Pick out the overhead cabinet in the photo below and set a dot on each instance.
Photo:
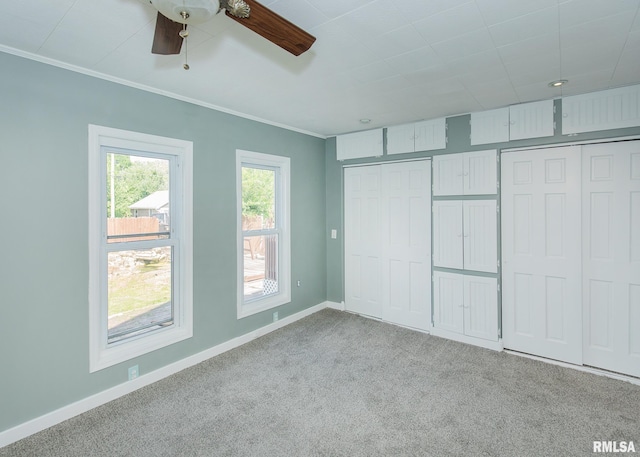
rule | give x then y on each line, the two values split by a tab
607	109
516	122
360	144
465	235
465	305
469	173
419	136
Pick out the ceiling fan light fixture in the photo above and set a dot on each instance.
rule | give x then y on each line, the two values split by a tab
187	11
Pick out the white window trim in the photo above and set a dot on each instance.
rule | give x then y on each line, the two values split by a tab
284	243
101	354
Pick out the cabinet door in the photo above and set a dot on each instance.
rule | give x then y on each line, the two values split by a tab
430	135
359	144
448	301
480	172
400	139
490	126
531	120
480	235
603	110
480	297
447	174
447	234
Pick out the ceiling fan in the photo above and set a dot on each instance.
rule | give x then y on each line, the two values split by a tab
175	15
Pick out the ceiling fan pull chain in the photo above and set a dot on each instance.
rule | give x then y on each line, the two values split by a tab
184	34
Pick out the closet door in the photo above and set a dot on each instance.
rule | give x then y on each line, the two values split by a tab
541	252
362	188
406	243
611	256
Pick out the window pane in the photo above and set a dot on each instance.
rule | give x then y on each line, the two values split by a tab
139	292
260	266
137	198
258	198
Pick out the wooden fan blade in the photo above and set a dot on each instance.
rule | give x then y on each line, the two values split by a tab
167	39
275	28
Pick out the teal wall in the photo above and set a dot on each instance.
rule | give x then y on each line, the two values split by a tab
44	114
458	133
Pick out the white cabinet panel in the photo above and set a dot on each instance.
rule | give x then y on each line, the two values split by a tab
531	120
481	307
480	172
465	235
480	235
419	136
400	139
448	311
604	110
517	122
466	305
447	234
360	144
611	261
447	174
468	173
430	135
490	126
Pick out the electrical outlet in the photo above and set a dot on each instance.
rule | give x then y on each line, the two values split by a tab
275	316
133	372
299	283
334	234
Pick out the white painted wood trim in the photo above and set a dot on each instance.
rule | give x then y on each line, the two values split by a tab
493	345
81	406
584	369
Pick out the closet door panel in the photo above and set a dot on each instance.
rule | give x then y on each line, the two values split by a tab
406	243
611	256
362	240
541	252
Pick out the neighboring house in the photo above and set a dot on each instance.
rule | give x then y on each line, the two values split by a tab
153	205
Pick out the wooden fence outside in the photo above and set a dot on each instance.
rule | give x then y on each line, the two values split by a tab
131	226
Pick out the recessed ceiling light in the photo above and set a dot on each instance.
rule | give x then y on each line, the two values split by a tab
558	83
365	121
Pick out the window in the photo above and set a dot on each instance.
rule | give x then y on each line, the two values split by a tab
140	248
264	272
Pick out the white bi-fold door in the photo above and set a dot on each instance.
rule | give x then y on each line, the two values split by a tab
611	256
388	242
362	230
541	253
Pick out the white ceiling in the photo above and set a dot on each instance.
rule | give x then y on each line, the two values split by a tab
391	61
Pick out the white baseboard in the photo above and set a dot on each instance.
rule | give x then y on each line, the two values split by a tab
335	305
67	412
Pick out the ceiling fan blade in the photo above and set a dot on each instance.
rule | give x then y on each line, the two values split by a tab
275	28
167	39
